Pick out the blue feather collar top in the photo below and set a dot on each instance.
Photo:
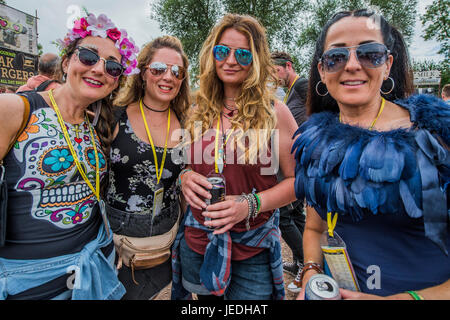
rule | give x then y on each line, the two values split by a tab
354	171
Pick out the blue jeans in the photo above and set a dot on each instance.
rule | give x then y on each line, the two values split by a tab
251	279
95	275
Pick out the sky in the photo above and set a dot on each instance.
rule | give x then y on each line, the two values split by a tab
133	15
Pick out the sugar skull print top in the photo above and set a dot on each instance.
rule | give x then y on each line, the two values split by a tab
51	209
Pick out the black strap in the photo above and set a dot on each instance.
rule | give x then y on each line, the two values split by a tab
44	85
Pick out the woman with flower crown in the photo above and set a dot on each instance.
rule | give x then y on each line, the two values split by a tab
142	197
58	241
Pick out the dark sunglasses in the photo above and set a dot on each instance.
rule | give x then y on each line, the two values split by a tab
90	58
159	68
370	55
243	56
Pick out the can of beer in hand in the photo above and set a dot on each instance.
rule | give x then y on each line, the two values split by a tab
217	192
322	287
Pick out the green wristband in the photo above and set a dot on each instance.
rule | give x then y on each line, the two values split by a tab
258	200
415	295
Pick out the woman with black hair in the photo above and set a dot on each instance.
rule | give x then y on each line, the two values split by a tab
373	164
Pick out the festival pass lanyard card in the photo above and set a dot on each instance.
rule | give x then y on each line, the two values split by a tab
336	256
158	190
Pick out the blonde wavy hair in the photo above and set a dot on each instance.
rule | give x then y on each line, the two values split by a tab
255	99
133	89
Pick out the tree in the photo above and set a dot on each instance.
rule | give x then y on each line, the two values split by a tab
400	13
292	25
436	21
191	20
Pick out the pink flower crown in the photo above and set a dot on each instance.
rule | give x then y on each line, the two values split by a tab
103	27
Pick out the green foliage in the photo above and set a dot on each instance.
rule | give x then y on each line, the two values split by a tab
400	13
436	21
40	49
292	25
191	20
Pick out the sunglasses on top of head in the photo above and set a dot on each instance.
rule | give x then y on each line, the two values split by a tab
243	56
370	55
159	68
90	58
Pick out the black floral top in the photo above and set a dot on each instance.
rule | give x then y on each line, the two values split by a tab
132	176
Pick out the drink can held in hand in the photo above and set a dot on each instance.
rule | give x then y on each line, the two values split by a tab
217	191
322	287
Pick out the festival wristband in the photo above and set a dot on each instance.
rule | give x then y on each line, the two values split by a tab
415	295
181	175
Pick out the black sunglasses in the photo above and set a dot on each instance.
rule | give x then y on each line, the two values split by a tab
370	55
90	58
159	68
243	56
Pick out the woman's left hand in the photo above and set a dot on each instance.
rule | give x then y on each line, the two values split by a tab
226	214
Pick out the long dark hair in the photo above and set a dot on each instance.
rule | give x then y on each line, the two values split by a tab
401	71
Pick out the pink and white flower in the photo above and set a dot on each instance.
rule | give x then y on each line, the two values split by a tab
103	27
99	26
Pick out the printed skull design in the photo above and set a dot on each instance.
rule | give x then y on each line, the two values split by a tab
60	195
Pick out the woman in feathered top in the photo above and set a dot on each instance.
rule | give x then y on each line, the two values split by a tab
376	158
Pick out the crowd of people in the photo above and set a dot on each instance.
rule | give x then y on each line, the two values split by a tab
117	180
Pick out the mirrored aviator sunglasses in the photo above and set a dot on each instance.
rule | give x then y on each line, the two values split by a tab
369	55
159	68
90	58
243	56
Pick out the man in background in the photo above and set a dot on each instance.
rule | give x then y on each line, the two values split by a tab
446	93
292	217
49	74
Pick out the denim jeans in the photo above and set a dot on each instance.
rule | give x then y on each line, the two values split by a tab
251	279
95	275
292	225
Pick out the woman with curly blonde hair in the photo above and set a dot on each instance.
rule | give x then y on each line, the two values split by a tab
231	248
142	199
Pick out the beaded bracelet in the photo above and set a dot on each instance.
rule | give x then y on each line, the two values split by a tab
415	295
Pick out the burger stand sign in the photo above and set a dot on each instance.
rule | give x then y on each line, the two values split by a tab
18	46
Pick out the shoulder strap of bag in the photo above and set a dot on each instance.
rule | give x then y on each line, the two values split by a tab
26	115
45	84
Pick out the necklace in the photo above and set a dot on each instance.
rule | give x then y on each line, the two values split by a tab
219	151
154	110
376	118
230	114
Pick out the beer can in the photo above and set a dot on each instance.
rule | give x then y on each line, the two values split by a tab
322	287
217	191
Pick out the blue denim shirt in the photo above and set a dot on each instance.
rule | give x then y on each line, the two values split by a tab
95	275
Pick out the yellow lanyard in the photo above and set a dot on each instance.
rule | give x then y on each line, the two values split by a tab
96	191
331	223
286	96
216	146
158	173
383	101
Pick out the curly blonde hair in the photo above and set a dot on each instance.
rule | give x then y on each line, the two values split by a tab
133	90
255	109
